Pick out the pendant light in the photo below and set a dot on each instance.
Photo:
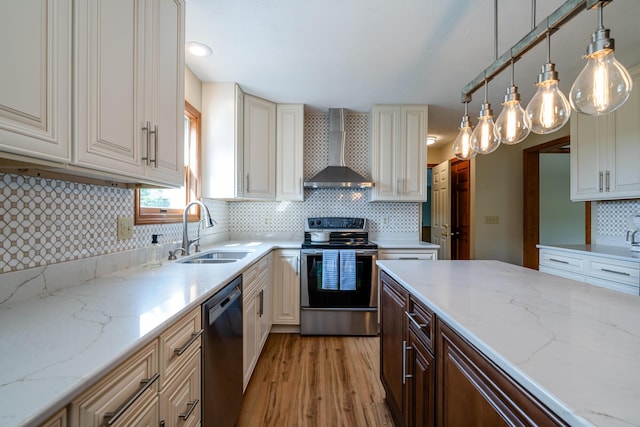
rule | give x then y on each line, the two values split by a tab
484	139
512	124
549	109
604	84
462	145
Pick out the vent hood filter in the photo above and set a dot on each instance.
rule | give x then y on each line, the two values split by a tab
337	175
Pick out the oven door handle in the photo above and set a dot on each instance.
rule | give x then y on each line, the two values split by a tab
319	252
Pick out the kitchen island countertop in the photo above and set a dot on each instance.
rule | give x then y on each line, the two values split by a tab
574	346
56	345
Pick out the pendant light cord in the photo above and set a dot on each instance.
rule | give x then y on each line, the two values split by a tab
600	20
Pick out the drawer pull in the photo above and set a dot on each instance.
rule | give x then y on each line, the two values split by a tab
622	273
190	407
405	347
110	418
407	258
559	260
181	350
411	317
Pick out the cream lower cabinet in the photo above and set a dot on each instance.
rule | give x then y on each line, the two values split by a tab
408	254
286	287
35	89
256	312
129	88
127	396
57	420
289	152
605	152
399	152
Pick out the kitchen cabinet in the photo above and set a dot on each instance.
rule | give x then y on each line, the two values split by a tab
289	152
180	399
259	148
126	396
408	254
286	287
35	89
129	88
57	420
407	369
605	152
611	273
467	379
222	141
257	313
399	152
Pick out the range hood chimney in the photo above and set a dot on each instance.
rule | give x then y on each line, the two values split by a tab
337	175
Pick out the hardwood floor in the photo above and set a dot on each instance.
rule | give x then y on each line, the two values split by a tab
316	381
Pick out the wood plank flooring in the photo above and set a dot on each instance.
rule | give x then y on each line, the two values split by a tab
316	381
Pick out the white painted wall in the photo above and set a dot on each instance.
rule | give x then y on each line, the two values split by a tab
192	89
561	220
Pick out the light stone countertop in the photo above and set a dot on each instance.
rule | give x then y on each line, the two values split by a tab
615	252
574	346
403	244
56	345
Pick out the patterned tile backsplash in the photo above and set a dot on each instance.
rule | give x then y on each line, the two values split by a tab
46	221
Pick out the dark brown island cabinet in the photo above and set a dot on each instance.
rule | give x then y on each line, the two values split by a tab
432	376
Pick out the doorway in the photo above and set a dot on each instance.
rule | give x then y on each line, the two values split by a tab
460	209
531	208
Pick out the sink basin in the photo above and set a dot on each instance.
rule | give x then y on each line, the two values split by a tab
216	257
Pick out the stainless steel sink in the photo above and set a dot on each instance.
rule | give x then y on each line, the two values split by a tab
216	257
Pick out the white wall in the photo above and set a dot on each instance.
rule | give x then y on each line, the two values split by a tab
561	220
192	89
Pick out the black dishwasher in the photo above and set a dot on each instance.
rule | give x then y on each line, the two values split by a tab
222	356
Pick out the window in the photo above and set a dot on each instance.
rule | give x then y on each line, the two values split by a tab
163	206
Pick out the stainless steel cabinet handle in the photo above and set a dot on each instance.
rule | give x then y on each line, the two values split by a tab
411	317
247	186
110	418
194	337
559	260
622	273
297	266
147	131
155	138
261	302
190	407
408	257
405	347
608	180
600	186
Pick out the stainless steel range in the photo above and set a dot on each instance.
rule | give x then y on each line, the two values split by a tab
339	290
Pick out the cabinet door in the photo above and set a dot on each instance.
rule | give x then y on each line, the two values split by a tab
35	89
386	138
180	399
413	155
473	391
110	86
393	344
250	330
58	420
259	148
286	287
589	155
421	402
168	98
289	151
266	312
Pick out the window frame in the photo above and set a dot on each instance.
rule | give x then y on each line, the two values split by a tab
144	216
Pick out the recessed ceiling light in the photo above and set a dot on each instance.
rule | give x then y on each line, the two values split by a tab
431	140
198	49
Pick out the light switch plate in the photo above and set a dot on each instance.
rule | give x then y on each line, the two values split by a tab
125	228
492	219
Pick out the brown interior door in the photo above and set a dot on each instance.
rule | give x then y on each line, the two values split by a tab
460	209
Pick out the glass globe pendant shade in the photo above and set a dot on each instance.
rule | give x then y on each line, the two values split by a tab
549	109
512	124
484	139
604	84
462	144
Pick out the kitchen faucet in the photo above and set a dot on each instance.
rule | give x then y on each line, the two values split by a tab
208	223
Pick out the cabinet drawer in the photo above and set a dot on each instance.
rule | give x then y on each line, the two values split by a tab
563	261
123	392
626	272
430	255
180	399
254	274
421	320
178	342
58	420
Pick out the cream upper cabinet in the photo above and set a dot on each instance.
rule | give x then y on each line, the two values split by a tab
289	152
399	152
222	141
259	148
129	88
35	89
605	151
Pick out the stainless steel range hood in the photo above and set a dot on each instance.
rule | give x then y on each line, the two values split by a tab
337	174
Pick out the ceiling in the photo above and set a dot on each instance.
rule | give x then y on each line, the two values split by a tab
356	53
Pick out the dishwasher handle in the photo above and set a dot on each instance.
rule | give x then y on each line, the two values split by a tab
217	310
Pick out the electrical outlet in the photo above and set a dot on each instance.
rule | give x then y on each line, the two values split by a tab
125	228
385	220
492	219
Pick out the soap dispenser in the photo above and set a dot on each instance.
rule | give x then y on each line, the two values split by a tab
154	252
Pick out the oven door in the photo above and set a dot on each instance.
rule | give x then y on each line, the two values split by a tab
313	295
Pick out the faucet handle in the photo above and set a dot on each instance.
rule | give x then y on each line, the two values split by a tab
172	254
